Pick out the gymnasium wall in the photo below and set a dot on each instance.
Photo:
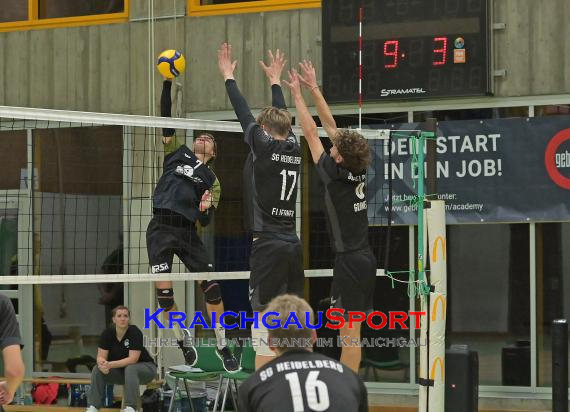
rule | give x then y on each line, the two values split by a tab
106	68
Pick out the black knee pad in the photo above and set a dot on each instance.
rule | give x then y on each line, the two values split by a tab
165	298
212	291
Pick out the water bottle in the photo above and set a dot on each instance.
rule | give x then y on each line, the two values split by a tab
74	394
108	402
18	397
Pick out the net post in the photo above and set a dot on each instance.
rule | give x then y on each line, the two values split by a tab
430	125
421	197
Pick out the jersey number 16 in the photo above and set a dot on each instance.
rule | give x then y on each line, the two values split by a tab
316	391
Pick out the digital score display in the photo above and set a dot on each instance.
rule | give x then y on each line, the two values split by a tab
410	49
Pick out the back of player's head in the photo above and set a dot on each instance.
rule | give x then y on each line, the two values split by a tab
353	148
275	120
291	337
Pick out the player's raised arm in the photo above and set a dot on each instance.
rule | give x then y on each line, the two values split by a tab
308	78
307	123
227	67
168	135
273	72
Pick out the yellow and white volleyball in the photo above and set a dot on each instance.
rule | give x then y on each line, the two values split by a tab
171	63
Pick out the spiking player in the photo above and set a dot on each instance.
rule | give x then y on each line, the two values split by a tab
343	173
188	191
271	173
299	379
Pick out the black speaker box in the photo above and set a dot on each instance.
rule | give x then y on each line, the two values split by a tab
515	364
461	379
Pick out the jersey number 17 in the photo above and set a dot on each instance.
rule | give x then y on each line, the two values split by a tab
286	173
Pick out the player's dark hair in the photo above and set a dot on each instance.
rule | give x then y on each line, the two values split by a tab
276	120
118	308
291	337
353	148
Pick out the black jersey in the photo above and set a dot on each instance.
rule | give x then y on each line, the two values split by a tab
300	380
345	202
9	330
271	172
132	340
182	184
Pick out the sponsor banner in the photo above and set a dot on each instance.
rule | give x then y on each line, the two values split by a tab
503	170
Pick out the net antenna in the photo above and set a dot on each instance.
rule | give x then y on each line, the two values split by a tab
360	18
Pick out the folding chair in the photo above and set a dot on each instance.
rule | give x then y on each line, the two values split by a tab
210	365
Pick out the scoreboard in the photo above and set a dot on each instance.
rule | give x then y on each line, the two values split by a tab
410	49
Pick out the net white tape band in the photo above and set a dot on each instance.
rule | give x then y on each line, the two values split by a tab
145	277
33	118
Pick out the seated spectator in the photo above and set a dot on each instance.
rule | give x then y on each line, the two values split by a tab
121	359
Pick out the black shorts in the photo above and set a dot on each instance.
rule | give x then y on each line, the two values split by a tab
354	279
276	268
170	235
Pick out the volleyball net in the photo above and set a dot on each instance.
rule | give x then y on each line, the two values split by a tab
76	198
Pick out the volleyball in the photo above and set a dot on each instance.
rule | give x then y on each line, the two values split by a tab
171	63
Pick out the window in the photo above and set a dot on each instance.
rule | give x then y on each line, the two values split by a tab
489	309
49	9
13	152
79	213
13	10
38	14
214	7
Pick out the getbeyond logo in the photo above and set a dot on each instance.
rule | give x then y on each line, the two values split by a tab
557	159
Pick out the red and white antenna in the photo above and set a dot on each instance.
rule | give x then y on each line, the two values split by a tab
360	17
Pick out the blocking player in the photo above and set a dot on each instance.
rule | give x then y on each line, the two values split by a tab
343	173
299	379
188	191
271	173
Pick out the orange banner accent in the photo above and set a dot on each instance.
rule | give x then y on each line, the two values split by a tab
438	240
433	366
443	307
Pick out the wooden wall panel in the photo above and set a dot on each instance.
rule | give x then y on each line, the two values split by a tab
59	72
531	47
203	86
139	69
77	68
547	60
114	68
16	68
3	77
93	74
106	67
41	85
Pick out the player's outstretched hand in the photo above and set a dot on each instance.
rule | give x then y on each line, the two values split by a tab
275	68
308	76
294	83
206	201
225	63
